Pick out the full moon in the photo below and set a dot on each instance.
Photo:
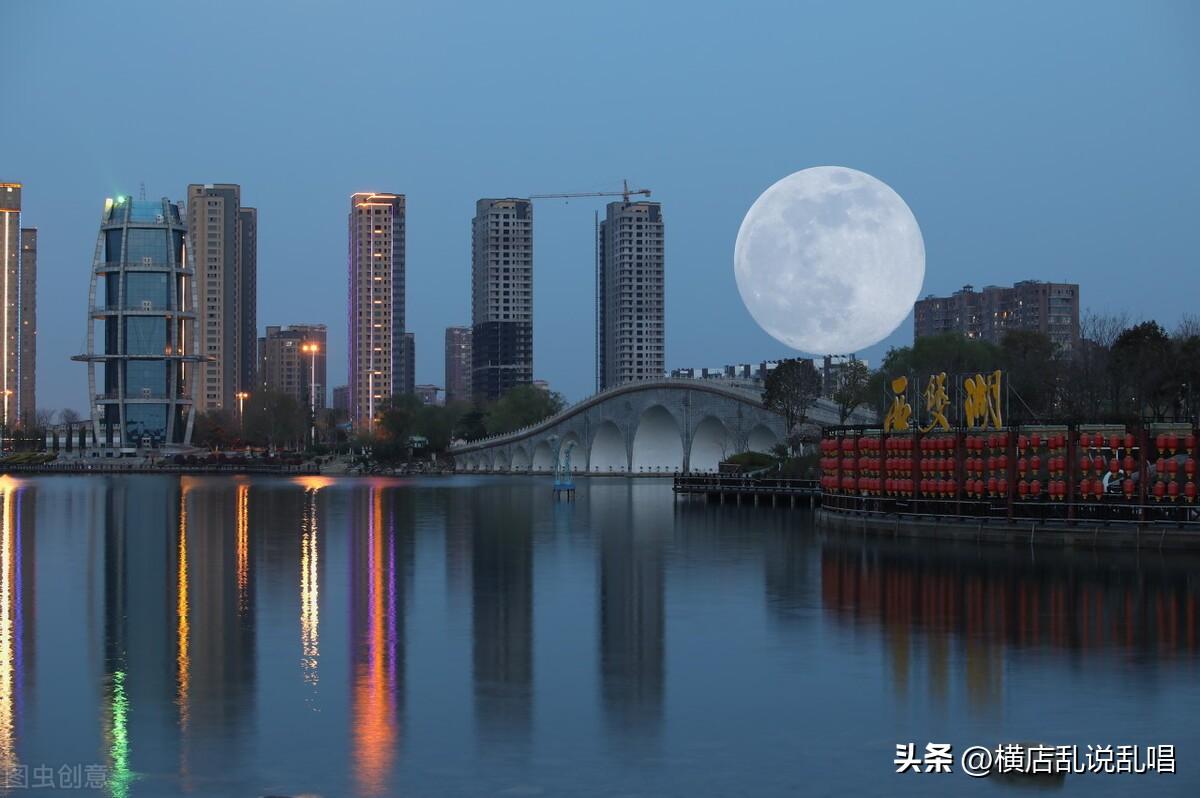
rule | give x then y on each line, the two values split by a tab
829	260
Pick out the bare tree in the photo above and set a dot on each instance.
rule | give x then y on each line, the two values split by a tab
791	389
68	416
1188	327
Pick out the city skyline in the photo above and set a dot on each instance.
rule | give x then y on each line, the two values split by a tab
999	198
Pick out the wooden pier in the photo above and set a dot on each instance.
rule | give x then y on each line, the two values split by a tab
739	489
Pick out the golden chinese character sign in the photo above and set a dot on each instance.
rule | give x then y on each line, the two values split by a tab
981	405
936	403
898	414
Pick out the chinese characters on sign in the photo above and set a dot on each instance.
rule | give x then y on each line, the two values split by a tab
981	404
898	414
981	407
936	402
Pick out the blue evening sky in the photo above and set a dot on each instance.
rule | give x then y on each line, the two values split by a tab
1032	140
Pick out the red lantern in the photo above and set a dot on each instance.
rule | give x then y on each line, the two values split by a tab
1002	462
1035	464
1160	488
1022	442
1172	490
1022	488
1160	442
1128	440
1085	440
1034	441
1085	487
1002	486
1189	468
1098	487
1189	491
1113	465
1085	464
1021	464
1172	442
1035	488
1127	487
1189	442
1114	442
1160	466
1172	467
979	487
1129	464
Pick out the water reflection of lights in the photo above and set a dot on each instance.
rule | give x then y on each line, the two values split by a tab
374	722
310	597
183	628
9	617
119	775
243	546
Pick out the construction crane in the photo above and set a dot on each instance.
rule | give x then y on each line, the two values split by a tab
625	193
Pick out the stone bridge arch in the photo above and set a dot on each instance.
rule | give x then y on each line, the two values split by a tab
656	426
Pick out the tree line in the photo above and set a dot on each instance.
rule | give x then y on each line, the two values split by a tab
1121	372
404	427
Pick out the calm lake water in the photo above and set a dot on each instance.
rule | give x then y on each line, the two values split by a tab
468	637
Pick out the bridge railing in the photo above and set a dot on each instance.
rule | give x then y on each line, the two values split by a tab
642	385
699	483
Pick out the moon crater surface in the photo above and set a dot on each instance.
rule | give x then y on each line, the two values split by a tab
829	260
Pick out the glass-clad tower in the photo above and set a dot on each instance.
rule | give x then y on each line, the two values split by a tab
142	304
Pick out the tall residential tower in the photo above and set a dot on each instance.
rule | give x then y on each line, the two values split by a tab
376	312
501	296
629	295
223	238
18	350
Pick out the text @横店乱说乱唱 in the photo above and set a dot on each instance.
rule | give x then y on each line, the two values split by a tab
1021	759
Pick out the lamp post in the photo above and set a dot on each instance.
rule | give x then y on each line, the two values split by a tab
242	396
312	348
4	426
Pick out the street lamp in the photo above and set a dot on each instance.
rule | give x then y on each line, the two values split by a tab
4	428
312	348
242	396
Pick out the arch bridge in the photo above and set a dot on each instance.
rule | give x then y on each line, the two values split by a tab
651	426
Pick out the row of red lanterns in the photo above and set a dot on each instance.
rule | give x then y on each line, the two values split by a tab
977	443
1169	442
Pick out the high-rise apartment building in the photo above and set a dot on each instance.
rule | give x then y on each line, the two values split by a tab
501	296
18	349
1048	308
629	295
376	312
458	364
409	360
223	236
144	309
293	362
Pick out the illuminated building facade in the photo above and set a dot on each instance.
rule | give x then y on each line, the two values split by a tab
376	312
501	296
18	349
289	364
142	327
